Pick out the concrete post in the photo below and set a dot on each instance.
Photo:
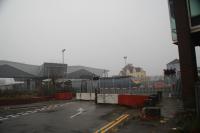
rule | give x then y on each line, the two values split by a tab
186	54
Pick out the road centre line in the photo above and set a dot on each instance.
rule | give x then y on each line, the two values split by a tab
110	123
113	123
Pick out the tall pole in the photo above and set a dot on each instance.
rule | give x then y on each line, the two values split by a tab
63	50
125	59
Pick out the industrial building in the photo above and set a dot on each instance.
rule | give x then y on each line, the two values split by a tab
32	75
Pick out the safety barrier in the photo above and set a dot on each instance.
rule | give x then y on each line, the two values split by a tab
63	96
85	96
128	100
132	100
124	99
107	98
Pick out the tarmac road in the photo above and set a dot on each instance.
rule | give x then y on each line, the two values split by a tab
70	117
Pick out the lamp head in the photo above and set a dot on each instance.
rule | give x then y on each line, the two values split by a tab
63	50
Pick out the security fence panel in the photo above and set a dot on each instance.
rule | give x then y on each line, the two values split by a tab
122	85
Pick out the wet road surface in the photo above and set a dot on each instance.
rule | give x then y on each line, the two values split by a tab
71	117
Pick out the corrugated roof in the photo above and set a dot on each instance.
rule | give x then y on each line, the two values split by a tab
81	74
36	69
96	71
31	69
7	71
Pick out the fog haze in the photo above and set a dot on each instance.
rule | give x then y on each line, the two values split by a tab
95	33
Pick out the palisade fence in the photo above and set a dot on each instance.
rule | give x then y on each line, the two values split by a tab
91	85
142	91
122	86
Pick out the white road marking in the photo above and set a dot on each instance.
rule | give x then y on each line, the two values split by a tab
76	114
3	119
9	116
80	111
25	113
34	111
61	105
38	110
19	113
14	116
42	109
29	112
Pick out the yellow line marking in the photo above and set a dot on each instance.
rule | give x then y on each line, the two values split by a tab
116	123
112	124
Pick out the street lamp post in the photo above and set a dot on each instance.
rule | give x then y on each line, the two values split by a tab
63	50
125	59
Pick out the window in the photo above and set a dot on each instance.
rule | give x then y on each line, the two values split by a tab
172	20
194	10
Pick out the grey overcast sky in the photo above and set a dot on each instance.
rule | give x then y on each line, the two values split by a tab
96	33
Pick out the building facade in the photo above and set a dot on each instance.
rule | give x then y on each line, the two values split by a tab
174	65
136	72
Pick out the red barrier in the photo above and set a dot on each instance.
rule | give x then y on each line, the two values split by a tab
132	100
63	96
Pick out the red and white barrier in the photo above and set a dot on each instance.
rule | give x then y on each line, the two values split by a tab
125	99
132	100
107	98
85	96
63	96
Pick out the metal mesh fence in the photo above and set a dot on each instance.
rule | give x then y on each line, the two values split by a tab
122	86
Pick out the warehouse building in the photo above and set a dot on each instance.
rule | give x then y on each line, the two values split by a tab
32	75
